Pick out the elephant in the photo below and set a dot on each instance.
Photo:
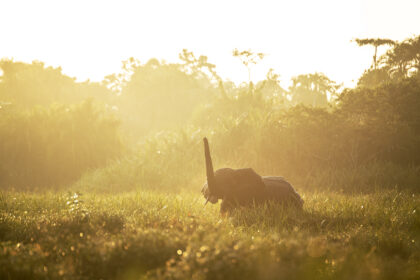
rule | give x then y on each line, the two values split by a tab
244	187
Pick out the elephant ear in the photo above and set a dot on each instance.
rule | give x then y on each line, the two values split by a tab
248	184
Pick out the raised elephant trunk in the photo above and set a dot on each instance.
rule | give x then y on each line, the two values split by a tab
209	167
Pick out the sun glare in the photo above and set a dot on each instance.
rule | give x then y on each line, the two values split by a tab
89	39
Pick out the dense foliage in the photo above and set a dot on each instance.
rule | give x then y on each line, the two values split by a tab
52	146
26	85
167	108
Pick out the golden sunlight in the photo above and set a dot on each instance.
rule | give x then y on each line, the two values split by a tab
198	139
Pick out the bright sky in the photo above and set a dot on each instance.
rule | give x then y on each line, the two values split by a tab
89	39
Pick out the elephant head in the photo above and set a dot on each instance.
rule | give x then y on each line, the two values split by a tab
238	186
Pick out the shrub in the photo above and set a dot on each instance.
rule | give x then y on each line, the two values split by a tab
55	145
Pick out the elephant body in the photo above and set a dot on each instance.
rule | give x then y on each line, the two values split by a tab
244	187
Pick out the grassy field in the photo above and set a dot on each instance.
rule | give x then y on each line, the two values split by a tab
156	235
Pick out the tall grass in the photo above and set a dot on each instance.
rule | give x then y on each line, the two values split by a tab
174	160
168	236
52	146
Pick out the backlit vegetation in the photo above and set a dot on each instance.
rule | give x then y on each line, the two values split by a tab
114	171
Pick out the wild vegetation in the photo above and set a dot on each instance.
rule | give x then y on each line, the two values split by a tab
156	235
102	180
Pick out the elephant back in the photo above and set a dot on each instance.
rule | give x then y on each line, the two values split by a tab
277	188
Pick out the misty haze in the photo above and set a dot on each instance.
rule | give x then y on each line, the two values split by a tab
210	139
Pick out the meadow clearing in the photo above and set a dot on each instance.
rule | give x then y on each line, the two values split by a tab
156	235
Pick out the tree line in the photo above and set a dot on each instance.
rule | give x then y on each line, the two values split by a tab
53	129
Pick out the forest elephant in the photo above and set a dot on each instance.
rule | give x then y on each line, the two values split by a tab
244	187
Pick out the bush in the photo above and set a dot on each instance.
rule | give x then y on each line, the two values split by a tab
52	146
